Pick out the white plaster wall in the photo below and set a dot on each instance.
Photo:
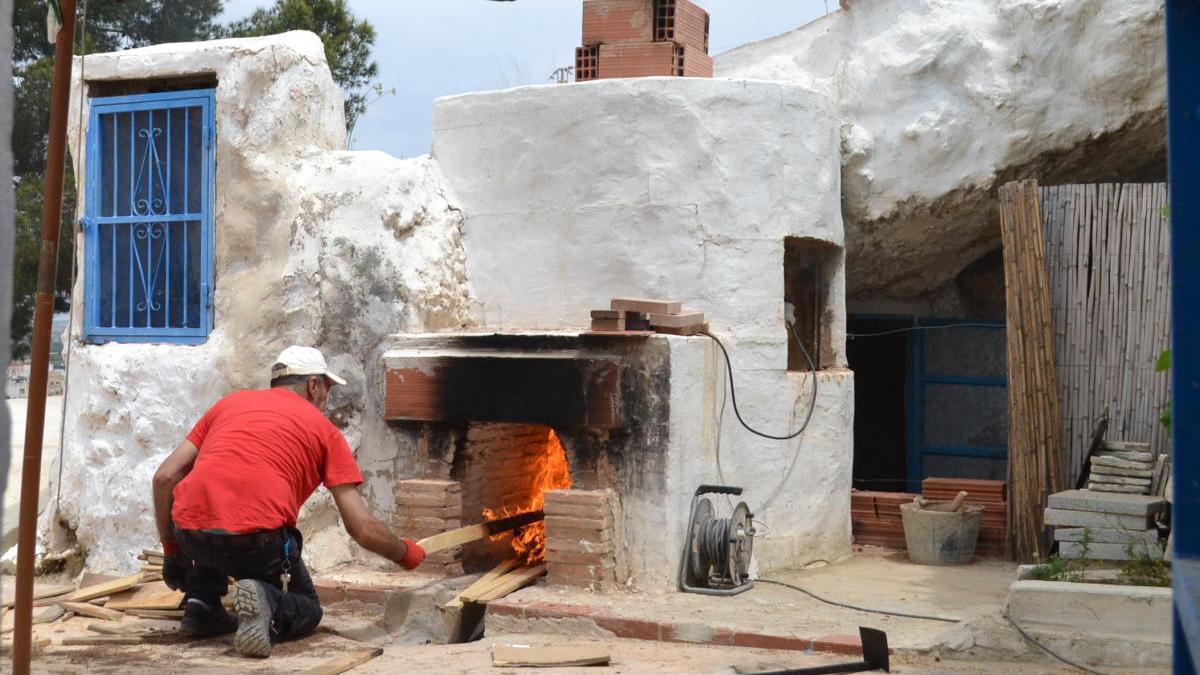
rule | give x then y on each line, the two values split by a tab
798	490
940	100
655	187
680	188
314	246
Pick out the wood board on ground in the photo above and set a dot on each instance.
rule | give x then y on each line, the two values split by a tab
556	656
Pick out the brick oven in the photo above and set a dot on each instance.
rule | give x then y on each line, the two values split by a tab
575	425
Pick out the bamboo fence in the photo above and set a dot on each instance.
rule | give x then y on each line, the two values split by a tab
1034	439
1107	250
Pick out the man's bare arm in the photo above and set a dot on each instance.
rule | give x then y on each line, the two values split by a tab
170	472
365	528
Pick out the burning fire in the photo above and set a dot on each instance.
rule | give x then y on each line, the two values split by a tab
552	474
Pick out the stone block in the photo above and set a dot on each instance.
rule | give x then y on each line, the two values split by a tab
1098	551
1119	480
1123	489
1131	612
1126	446
1094	519
1120	463
1131	456
1085	500
1101	470
1107	535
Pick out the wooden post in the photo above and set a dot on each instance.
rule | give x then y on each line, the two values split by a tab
60	101
1035	463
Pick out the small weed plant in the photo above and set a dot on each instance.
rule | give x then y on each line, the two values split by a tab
1142	569
1057	568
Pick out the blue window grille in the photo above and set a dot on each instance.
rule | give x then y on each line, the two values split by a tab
148	218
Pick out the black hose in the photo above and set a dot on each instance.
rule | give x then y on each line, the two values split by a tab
855	607
733	390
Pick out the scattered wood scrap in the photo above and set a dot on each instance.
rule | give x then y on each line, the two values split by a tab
43	593
483	584
144	629
105	588
340	664
156	613
511	582
470	533
557	656
46	615
154	595
90	610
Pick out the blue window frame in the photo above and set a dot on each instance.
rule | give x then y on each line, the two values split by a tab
148	225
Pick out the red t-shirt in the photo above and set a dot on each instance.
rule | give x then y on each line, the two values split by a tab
262	453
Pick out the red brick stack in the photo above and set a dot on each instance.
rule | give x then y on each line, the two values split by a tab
428	507
875	517
580	539
643	38
990	494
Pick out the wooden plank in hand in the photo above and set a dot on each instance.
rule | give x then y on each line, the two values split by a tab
484	583
105	588
340	664
464	535
557	656
512	581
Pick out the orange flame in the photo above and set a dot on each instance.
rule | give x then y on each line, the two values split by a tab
552	473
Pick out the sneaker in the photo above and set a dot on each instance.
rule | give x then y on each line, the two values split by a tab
203	620
253	608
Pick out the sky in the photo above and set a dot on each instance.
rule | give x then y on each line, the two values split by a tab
427	49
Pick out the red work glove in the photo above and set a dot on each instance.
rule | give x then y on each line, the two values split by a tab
413	555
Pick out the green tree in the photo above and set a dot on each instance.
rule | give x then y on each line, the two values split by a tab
110	25
348	42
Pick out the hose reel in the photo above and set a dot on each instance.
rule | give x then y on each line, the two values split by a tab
717	552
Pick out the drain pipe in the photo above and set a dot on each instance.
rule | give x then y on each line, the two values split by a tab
60	100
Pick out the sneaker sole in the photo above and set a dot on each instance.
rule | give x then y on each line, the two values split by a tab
254	625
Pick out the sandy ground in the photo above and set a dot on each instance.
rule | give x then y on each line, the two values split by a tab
874	578
629	657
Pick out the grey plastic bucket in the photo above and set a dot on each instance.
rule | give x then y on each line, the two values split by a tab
938	537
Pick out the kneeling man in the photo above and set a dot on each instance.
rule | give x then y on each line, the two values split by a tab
227	498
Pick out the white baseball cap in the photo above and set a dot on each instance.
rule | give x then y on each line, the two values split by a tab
303	361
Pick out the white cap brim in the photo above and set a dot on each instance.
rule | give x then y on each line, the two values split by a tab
283	372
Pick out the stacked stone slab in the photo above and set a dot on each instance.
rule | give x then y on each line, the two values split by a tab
580	539
1118	524
428	507
1122	467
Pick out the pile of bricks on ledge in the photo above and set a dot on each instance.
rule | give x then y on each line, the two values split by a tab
645	316
581	539
643	38
875	516
428	507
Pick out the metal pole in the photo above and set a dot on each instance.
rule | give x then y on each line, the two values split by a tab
1183	155
60	100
